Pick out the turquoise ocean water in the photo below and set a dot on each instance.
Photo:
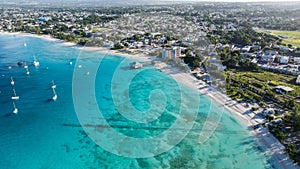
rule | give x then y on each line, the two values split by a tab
47	134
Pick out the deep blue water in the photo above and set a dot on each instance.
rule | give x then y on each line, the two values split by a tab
47	133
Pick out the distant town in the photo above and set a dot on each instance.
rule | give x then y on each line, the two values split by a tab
252	52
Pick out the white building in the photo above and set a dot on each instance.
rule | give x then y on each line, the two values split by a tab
245	49
171	53
176	52
284	60
269	56
298	80
297	60
283	89
167	54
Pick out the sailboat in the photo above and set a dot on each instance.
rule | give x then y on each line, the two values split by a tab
15	97
25	66
53	85
25	44
35	62
15	111
12	82
54	98
27	71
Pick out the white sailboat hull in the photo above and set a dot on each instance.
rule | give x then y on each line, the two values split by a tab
15	111
54	97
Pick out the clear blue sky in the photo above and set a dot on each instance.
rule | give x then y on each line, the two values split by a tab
243	0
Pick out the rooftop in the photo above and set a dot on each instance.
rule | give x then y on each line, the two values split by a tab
285	88
298	80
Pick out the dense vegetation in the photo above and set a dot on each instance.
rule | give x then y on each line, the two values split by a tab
245	36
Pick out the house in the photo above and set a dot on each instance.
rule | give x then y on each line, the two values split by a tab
269	111
153	35
43	19
269	56
298	80
283	89
296	60
217	64
284	60
108	44
256	47
245	49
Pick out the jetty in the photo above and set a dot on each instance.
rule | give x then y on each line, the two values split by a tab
136	65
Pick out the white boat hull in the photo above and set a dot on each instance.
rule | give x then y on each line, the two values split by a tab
15	98
15	111
54	97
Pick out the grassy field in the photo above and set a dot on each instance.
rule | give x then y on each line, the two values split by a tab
292	37
254	85
274	78
100	29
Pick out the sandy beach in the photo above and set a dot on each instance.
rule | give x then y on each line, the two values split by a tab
245	115
141	57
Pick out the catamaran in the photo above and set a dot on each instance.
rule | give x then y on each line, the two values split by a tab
53	85
15	111
35	62
15	97
54	98
12	82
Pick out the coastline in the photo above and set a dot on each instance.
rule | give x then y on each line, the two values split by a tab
264	138
141	57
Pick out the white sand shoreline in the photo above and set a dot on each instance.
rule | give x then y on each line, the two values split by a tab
140	57
264	138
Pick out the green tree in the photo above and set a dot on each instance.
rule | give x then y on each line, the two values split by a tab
117	46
